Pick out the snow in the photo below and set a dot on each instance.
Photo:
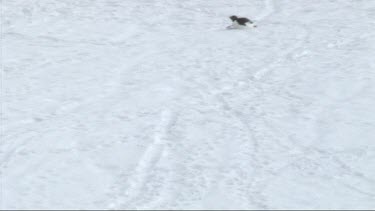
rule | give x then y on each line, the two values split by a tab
111	104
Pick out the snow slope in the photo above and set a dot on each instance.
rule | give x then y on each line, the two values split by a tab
151	104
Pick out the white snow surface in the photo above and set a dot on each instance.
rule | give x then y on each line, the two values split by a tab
152	104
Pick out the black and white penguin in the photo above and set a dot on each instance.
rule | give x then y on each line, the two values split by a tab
239	23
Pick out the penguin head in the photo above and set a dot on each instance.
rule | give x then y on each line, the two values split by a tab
233	18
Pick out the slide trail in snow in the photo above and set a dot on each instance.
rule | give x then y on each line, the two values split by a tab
154	152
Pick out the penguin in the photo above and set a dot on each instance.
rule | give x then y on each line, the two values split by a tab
240	22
